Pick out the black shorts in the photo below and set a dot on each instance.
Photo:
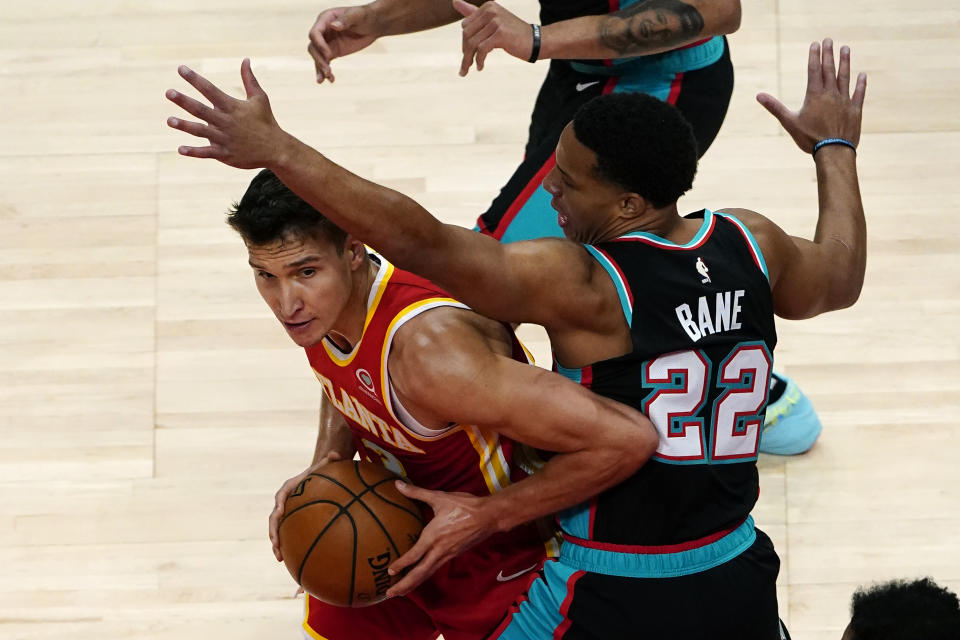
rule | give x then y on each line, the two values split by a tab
697	80
734	599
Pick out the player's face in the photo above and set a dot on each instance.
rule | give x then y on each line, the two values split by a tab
586	205
306	284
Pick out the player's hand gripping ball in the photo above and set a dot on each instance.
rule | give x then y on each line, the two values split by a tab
342	527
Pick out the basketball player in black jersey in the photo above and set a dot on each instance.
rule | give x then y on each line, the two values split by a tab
671	314
673	50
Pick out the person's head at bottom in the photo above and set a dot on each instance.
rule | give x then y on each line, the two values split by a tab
900	610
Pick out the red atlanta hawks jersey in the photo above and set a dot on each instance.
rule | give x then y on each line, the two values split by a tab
456	458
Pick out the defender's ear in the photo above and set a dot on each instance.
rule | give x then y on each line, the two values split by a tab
633	205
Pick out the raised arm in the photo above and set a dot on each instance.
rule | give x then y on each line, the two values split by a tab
825	274
644	28
599	442
341	31
550	282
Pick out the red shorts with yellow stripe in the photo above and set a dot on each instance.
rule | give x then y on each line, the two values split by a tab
464	600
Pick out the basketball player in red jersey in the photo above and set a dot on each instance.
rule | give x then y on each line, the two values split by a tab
438	394
672	314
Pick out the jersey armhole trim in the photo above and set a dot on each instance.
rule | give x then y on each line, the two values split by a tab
407	314
384	274
751	243
619	281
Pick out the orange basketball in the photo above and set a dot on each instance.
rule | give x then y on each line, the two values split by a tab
342	527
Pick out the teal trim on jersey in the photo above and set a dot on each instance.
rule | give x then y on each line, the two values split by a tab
539	615
573	374
694	241
535	219
751	240
659	565
576	520
668	63
617	282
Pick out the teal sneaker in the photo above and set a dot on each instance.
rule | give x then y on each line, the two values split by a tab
791	425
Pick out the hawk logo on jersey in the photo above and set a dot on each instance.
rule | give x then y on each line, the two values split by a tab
366	381
703	270
353	409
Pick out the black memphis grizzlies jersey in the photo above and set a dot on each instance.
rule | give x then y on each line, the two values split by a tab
701	320
556	10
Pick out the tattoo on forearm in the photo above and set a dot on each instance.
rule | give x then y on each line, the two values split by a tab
650	24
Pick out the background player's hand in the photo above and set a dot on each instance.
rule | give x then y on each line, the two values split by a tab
490	27
828	111
280	499
242	133
459	522
339	32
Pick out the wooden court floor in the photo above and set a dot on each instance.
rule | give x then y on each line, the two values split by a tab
150	406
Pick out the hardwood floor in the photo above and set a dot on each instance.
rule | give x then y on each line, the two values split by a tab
150	405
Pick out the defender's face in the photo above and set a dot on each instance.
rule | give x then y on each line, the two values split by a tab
585	204
305	283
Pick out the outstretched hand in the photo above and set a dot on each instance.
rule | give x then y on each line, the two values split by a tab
242	133
459	522
828	110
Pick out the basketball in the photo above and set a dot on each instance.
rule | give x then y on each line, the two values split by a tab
342	527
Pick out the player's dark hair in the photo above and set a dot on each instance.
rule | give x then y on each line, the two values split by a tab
642	144
270	212
899	610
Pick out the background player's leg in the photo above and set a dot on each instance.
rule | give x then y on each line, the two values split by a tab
703	97
791	425
522	209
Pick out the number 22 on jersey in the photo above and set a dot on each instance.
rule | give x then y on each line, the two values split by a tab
676	405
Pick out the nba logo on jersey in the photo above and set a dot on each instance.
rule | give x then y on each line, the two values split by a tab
702	270
366	382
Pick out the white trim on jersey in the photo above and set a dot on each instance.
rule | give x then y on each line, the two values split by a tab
403	417
382	272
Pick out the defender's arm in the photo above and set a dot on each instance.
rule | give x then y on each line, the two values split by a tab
454	372
340	31
810	277
549	282
825	274
644	28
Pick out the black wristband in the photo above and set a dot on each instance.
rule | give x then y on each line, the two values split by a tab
829	141
535	52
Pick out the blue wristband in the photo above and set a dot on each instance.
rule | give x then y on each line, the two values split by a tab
827	141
